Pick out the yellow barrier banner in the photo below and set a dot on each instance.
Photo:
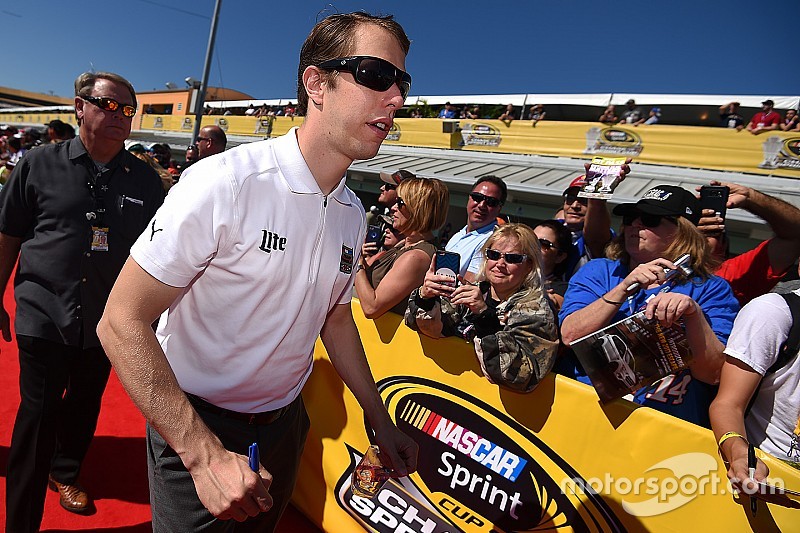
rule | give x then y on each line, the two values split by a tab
772	153
493	460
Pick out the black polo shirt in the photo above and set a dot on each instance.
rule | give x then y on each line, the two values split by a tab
62	285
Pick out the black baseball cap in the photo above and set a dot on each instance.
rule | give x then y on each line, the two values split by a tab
768	102
668	200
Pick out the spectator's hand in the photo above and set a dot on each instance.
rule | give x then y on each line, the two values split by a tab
434	285
398	450
557	299
5	324
668	307
369	248
738	195
710	223
469	295
647	274
739	473
229	489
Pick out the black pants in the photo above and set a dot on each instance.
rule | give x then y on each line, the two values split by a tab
61	388
173	499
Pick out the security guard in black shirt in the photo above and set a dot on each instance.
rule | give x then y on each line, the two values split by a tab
70	212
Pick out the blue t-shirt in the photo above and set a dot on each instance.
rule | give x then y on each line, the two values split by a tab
468	245
679	394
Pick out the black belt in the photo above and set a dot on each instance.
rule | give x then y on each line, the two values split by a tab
258	419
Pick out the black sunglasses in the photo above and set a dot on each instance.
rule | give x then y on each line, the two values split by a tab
491	201
201	139
648	220
400	203
111	105
570	199
389	186
371	72
513	259
546	245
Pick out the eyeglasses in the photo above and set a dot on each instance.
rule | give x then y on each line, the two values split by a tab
202	139
389	186
547	245
111	105
510	258
491	201
371	72
400	203
648	220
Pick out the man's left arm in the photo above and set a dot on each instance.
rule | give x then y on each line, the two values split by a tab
343	344
782	217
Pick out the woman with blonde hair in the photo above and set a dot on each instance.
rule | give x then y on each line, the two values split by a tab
384	283
507	314
657	230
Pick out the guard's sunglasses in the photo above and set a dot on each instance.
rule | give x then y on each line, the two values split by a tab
111	105
510	258
371	72
648	220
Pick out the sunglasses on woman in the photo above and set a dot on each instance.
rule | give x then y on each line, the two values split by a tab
400	203
510	258
110	105
491	201
371	72
648	220
547	245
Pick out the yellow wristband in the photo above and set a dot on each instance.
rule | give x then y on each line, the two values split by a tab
730	435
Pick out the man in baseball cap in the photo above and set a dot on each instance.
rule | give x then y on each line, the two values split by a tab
664	201
388	196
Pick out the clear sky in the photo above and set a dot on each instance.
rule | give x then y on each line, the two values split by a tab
736	47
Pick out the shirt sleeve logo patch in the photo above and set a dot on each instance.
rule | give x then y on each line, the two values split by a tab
346	263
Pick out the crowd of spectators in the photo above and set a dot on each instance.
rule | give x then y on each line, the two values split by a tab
264	110
526	294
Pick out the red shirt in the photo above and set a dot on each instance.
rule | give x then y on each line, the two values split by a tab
750	274
766	119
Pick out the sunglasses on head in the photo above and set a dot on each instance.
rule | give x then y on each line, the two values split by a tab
491	201
371	72
513	259
111	105
547	245
648	220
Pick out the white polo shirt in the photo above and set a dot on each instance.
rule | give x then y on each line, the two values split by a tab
263	256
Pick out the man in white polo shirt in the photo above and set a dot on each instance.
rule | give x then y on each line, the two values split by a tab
250	260
483	205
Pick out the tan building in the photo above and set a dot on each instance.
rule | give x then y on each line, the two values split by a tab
181	101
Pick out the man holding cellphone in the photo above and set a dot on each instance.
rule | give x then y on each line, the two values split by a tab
248	284
755	272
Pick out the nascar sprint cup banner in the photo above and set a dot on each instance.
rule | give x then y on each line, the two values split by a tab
492	460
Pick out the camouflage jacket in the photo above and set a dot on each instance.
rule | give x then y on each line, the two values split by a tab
516	343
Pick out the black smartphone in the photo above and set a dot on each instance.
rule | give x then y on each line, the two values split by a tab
374	234
448	264
715	197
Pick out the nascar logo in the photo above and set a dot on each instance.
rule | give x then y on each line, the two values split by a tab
477	448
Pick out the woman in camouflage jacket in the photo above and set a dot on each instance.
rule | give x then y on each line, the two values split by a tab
507	315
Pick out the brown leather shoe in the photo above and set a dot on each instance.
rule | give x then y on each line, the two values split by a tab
72	497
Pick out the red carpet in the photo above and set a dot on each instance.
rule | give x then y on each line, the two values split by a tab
115	470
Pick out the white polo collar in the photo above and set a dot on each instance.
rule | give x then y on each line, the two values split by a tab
296	172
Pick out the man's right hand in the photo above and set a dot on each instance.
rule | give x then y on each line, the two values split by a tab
230	490
5	324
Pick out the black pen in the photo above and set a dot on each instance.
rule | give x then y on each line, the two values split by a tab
751	465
